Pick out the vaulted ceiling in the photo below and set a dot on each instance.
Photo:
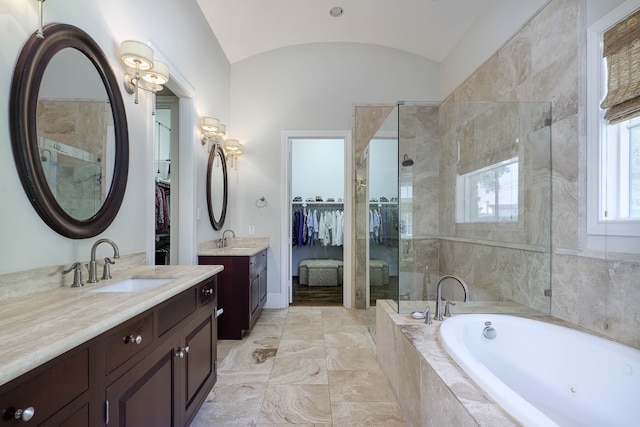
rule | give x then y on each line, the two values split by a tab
429	28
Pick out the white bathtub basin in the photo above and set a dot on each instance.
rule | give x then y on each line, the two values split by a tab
134	284
545	374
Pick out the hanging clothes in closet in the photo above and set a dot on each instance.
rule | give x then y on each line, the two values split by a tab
162	208
318	225
383	225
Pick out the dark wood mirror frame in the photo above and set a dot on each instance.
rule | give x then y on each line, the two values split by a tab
30	68
218	222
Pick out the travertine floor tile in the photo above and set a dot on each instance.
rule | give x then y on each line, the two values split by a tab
299	371
362	359
349	337
303	366
227	414
359	386
300	349
248	358
296	404
366	414
239	386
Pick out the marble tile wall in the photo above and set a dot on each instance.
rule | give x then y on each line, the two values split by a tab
545	62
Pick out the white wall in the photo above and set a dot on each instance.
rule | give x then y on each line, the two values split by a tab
317	168
308	87
180	33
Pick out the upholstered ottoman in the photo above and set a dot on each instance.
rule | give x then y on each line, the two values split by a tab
378	272
319	272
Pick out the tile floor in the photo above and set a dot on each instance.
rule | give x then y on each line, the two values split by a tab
305	366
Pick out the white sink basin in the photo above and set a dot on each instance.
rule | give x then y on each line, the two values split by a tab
133	284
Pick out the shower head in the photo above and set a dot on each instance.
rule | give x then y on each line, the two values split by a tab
43	157
406	161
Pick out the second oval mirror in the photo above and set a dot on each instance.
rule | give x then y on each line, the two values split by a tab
217	187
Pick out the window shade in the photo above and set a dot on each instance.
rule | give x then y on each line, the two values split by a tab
622	52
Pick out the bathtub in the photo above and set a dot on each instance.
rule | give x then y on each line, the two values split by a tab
547	375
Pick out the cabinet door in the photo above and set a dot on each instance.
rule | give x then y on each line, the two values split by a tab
146	395
199	363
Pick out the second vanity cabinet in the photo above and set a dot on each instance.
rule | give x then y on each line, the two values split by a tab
242	291
155	369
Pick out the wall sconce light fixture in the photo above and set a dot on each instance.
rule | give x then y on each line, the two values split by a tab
39	32
212	130
140	59
233	149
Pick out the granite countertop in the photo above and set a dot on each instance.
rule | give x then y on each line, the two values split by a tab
41	326
236	246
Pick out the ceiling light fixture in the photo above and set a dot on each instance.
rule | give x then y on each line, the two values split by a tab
336	11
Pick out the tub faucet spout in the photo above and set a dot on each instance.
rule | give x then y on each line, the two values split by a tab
93	275
438	315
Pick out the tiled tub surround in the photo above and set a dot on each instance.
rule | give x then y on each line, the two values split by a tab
430	387
53	319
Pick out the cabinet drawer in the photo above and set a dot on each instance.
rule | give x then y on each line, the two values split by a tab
127	340
177	309
57	385
207	291
257	263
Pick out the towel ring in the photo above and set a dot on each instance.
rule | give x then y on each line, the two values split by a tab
261	202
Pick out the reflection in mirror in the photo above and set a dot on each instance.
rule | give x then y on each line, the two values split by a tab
75	134
217	187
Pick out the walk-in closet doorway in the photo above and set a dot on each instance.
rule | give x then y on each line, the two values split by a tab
165	154
318	227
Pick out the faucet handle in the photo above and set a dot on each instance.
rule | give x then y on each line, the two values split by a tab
427	319
447	309
76	267
106	271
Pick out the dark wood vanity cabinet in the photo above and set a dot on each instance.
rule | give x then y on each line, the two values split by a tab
155	369
168	385
242	291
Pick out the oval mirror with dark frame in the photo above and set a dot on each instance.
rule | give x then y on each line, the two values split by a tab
69	131
217	187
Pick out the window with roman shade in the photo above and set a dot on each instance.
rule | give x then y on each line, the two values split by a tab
621	49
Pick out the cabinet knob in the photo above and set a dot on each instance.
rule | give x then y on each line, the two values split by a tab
24	414
181	352
133	339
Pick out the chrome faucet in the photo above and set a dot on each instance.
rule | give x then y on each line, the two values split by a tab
224	239
438	315
93	275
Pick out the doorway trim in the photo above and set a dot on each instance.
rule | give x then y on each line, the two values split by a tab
285	220
185	169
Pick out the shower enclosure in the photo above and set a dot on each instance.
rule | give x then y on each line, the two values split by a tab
473	199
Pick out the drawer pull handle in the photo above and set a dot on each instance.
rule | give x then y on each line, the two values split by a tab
181	352
207	292
24	414
136	339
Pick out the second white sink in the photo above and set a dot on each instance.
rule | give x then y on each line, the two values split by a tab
134	284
